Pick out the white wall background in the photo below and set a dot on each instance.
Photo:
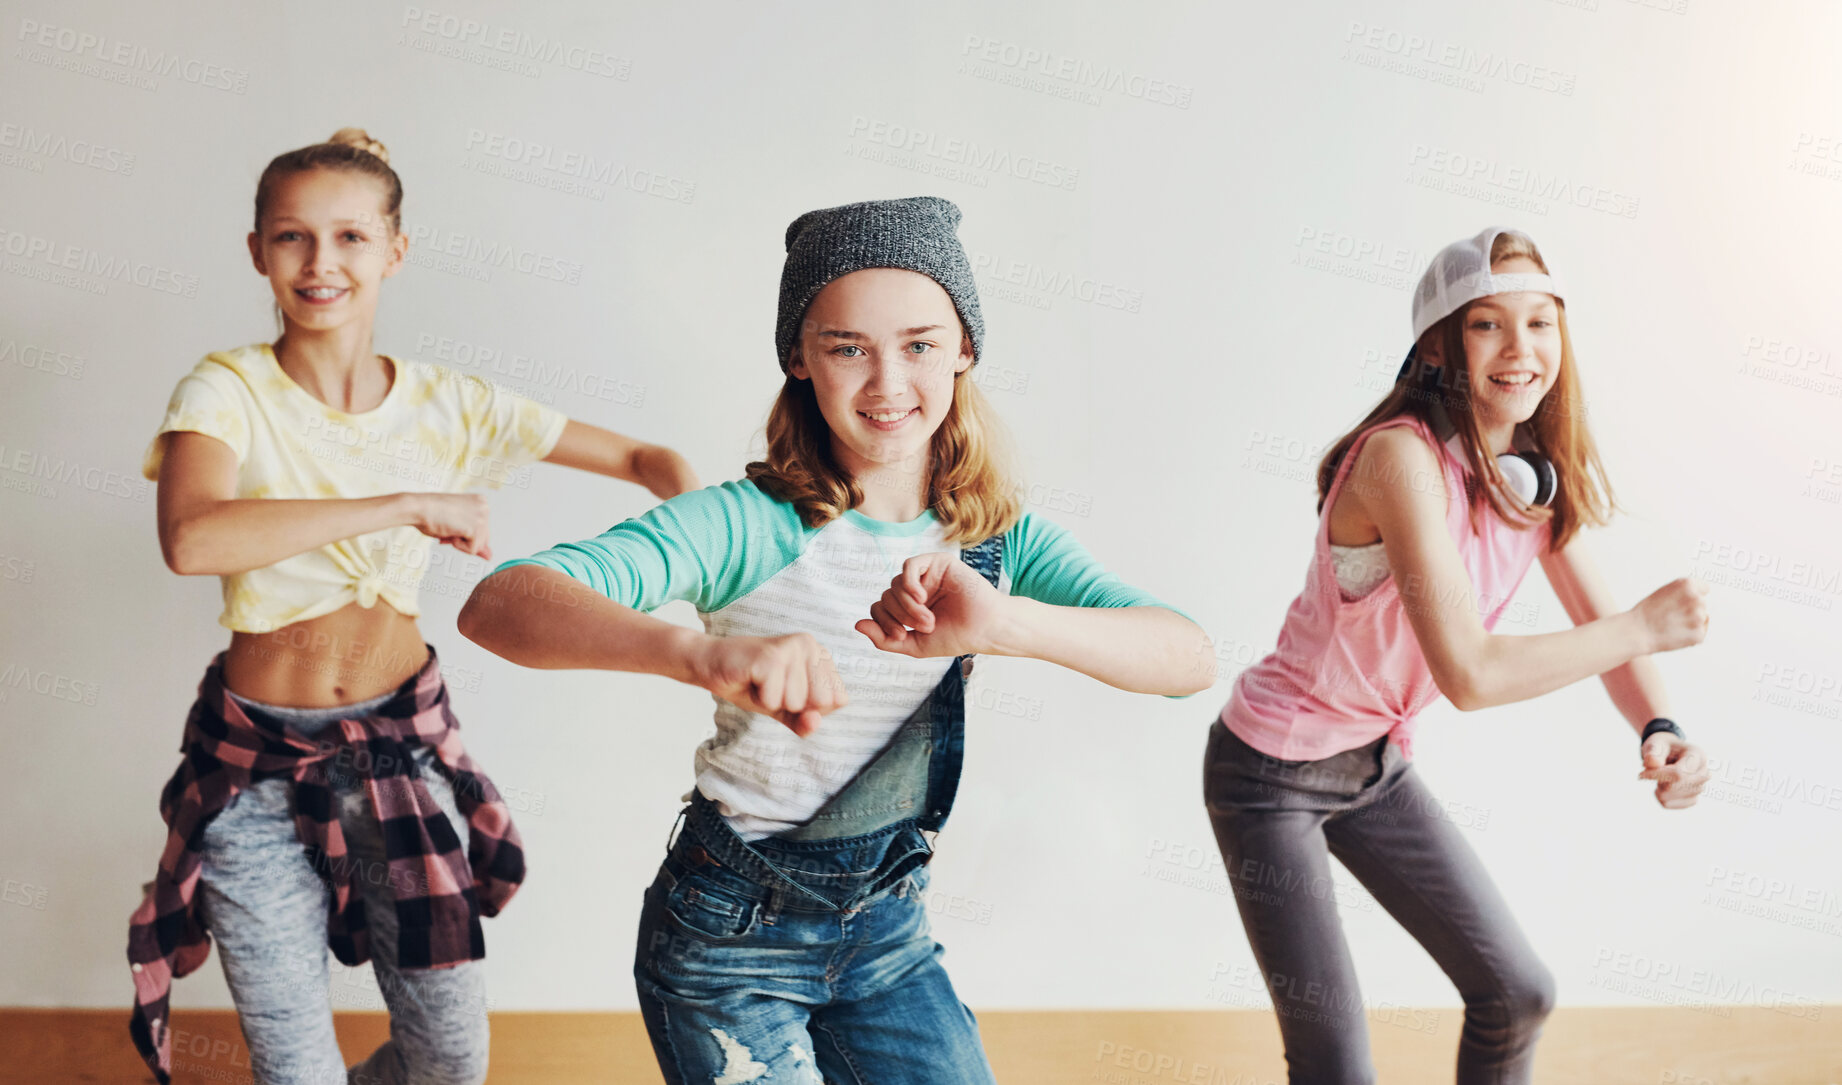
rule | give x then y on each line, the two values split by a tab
1236	260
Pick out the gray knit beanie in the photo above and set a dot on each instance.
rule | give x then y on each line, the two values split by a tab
916	233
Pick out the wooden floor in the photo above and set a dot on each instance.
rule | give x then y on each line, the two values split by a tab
1705	1046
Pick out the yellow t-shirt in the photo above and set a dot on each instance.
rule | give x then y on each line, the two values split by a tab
436	430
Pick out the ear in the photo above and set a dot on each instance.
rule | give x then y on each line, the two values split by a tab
966	358
399	246
796	365
255	254
1431	350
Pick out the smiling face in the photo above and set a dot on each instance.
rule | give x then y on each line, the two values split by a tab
325	245
1512	349
881	347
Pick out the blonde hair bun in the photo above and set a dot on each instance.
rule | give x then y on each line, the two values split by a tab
358	137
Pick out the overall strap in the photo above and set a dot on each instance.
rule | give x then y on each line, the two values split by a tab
946	707
916	773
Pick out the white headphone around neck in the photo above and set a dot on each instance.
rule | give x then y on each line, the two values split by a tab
1531	476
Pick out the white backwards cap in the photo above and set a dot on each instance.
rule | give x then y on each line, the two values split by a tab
1460	273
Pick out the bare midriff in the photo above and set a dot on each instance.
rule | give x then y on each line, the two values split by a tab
350	655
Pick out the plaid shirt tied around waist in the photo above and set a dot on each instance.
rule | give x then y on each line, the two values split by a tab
441	889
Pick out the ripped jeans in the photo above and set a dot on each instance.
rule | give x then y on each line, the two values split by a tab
805	958
741	981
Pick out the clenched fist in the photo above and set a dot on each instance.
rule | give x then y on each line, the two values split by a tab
790	677
937	606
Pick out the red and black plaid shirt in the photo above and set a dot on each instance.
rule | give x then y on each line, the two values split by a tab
440	895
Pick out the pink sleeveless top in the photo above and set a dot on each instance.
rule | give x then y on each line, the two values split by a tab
1346	672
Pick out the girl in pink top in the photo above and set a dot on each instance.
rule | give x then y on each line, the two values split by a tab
1475	464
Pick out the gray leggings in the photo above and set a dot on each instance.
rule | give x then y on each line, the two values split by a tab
1279	822
267	909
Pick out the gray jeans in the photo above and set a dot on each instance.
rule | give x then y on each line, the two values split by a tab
1279	822
267	910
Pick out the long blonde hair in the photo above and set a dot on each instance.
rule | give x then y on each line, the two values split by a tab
1558	426
971	485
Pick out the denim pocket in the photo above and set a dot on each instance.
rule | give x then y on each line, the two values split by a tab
712	912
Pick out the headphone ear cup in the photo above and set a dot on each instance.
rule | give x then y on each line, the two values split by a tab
1531	476
1550	479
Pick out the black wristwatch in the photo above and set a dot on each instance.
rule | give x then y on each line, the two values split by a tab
1660	724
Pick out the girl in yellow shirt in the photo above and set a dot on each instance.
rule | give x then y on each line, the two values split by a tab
314	476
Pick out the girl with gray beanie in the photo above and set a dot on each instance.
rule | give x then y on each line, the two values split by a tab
845	586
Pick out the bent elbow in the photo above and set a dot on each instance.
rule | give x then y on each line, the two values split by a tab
482	617
471	620
1462	690
181	552
463	622
1467	673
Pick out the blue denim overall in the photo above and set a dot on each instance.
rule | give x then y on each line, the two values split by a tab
808	952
